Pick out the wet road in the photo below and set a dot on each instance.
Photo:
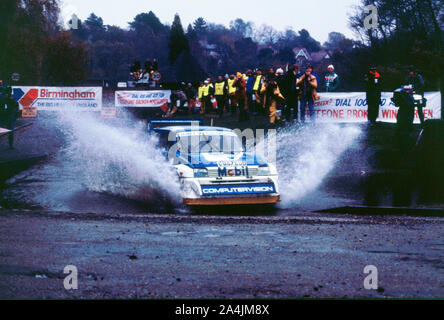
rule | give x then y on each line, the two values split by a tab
92	203
173	256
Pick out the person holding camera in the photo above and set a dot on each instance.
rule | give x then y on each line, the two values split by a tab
308	84
272	95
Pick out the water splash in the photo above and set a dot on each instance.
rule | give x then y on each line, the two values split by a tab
118	159
306	154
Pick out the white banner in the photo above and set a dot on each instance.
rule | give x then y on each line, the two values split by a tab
352	107
59	98
145	99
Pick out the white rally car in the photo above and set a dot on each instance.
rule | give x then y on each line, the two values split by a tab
213	167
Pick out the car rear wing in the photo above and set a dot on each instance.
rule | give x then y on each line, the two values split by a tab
156	124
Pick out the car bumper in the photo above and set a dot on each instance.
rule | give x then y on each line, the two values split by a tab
193	192
221	201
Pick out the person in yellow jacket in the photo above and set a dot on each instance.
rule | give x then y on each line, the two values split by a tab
258	82
232	94
220	93
272	94
207	95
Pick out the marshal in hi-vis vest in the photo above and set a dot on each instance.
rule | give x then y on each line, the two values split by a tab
219	88
257	83
231	88
206	90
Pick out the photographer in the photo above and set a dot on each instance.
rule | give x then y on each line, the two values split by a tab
373	93
308	85
272	96
417	82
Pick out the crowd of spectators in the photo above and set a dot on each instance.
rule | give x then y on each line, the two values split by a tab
279	95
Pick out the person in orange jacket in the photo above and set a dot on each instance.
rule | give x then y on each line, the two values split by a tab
272	94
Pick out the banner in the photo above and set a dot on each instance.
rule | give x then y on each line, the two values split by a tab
58	98
142	99
352	107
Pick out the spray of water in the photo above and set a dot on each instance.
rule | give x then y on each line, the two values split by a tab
306	154
119	159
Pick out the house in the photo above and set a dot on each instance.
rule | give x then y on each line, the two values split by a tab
303	57
210	49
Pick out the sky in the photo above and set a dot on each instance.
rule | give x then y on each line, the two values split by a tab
319	17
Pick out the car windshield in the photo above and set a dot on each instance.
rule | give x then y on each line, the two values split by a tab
209	142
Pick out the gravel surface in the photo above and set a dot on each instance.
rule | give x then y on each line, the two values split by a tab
171	256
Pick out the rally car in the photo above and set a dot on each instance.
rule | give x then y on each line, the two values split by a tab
213	167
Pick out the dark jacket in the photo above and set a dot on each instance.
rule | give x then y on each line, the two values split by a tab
417	81
190	92
10	106
373	87
290	88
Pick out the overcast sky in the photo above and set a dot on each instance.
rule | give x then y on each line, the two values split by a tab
319	17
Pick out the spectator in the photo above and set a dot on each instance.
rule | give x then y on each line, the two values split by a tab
291	93
178	97
220	93
200	96
208	92
314	73
137	64
232	94
138	70
373	91
272	96
308	85
250	93
417	82
190	92
133	72
280	78
258	82
148	66
8	113
155	65
271	75
241	96
331	80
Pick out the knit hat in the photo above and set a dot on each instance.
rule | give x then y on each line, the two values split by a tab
331	66
280	71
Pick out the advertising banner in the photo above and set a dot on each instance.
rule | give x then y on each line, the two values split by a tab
58	98
352	107
142	99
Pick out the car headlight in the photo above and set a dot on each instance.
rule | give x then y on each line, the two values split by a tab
200	173
263	171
